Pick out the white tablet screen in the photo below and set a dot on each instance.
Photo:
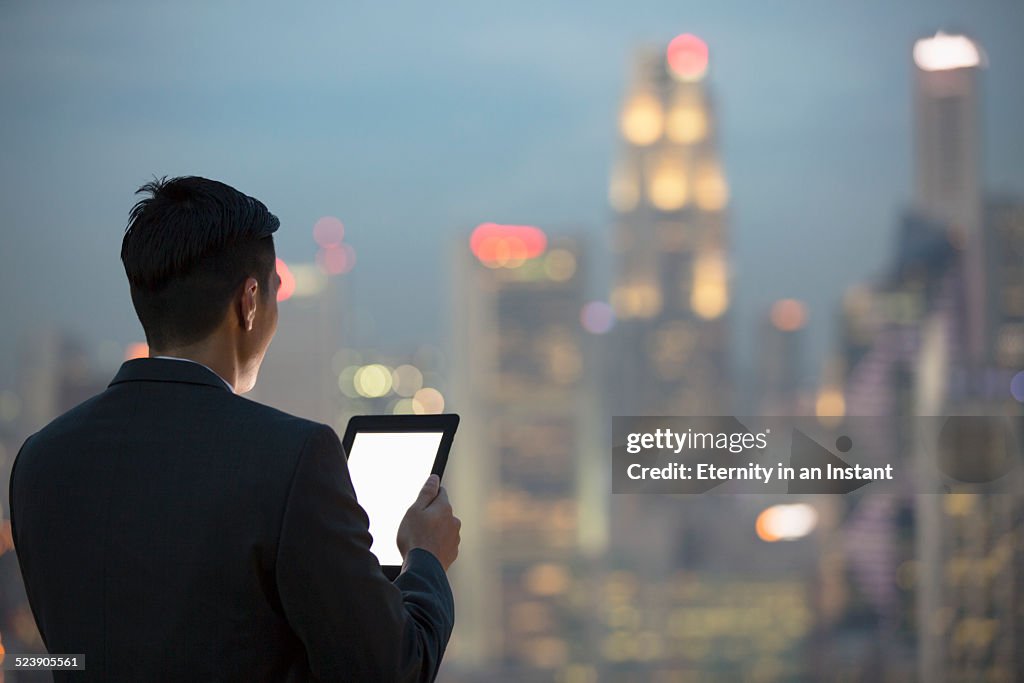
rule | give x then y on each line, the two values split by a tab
388	470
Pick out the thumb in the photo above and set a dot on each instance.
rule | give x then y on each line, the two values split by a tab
428	492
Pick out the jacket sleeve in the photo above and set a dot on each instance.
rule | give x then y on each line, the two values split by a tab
355	624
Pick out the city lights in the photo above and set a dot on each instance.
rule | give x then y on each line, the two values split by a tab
1017	387
372	381
944	52
407	380
336	259
287	288
309	279
788	315
687	57
687	122
506	246
667	188
786	522
547	579
597	317
710	296
710	190
830	406
642	119
560	265
328	231
428	401
638	300
347	381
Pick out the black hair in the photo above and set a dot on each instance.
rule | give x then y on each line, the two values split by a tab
187	249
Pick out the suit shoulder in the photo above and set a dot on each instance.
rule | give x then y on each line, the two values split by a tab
276	420
67	420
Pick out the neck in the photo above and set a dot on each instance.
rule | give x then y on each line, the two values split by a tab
214	355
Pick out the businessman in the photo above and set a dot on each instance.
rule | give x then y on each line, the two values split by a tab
171	530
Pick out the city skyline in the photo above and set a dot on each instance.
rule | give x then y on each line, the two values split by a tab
455	146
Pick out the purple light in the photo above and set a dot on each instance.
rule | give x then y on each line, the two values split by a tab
1017	386
597	317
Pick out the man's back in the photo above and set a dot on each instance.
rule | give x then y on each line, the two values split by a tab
171	530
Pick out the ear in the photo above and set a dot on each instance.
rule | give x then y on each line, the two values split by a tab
247	303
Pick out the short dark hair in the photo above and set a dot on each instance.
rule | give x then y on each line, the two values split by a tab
187	248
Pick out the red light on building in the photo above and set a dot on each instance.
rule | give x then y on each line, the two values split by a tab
687	56
507	245
287	287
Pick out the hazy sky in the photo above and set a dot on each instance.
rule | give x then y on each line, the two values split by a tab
415	123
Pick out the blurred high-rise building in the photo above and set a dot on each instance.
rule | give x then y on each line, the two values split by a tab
525	470
669	194
940	335
947	152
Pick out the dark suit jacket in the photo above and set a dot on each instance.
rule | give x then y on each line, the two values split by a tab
170	530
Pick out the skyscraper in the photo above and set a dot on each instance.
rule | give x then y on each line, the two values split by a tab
669	195
521	472
968	544
947	138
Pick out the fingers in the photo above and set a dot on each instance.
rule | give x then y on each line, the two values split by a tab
441	500
429	491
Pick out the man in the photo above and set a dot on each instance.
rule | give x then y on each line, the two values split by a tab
172	530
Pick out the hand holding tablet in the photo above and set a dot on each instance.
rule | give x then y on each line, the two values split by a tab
430	524
389	459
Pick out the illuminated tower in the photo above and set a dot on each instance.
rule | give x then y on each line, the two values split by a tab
526	450
947	139
671	290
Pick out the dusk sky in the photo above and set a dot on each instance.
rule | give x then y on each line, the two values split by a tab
415	123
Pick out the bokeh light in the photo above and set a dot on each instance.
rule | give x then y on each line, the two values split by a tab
667	184
597	317
943	52
830	406
560	265
687	57
687	123
547	579
788	315
506	246
287	288
336	260
428	401
310	280
710	295
407	380
786	522
372	381
642	119
405	406
1017	387
710	191
347	383
328	231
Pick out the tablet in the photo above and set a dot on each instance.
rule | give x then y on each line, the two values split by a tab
389	459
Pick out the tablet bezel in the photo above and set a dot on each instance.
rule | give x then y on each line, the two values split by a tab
445	423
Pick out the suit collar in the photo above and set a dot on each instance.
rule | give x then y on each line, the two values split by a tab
166	370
